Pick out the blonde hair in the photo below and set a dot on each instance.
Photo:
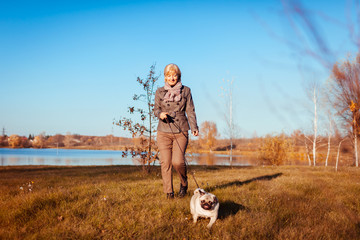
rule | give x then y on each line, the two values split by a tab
173	67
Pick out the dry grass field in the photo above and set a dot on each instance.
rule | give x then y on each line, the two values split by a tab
122	202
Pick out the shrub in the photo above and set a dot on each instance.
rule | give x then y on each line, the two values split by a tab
275	149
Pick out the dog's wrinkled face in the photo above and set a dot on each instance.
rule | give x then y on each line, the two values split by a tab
207	201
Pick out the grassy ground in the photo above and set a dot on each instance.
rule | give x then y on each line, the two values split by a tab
122	202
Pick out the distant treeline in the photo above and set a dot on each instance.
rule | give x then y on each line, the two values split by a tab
269	150
114	142
65	141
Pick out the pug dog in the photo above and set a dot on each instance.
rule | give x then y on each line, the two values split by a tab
204	204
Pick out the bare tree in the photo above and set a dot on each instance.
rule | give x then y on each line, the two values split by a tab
227	93
307	152
299	139
329	132
311	43
355	110
314	95
310	46
345	96
315	123
338	154
145	128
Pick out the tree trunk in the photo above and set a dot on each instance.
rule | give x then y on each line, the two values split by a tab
355	143
307	153
150	136
315	128
231	150
231	123
338	154
329	140
328	151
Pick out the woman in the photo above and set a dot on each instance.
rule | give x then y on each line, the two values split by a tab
171	103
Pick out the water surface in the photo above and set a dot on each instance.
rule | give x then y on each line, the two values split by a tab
74	157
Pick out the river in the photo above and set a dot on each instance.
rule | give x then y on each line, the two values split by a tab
75	157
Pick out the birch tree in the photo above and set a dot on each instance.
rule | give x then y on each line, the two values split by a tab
338	154
313	139
307	153
315	123
329	143
227	93
312	51
312	45
331	129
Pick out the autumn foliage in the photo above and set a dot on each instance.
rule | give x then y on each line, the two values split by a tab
274	150
15	141
208	135
345	90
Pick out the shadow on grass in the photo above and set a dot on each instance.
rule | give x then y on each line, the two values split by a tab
214	167
240	183
69	170
230	208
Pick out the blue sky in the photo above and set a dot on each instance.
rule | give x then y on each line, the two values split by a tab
71	66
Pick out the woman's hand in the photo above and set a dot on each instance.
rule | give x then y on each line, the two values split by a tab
195	133
163	115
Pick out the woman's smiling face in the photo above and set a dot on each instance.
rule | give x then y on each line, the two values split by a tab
171	78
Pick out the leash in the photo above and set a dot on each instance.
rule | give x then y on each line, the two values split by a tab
186	162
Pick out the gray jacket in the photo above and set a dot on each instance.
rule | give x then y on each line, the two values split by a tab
176	111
